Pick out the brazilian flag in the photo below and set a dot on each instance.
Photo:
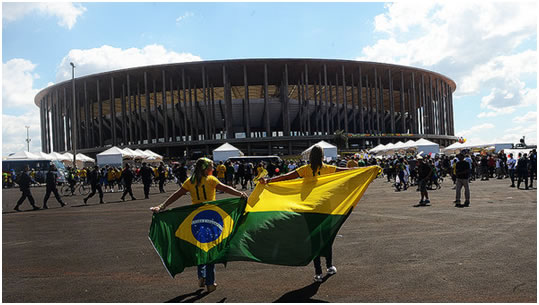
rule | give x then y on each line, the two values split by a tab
195	234
283	223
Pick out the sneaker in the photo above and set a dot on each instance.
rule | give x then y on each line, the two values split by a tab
85	200
318	278
123	199
426	202
133	198
512	185
16	209
201	282
466	204
457	203
45	207
35	208
332	270
421	202
211	288
62	204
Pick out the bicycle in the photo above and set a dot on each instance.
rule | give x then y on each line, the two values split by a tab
80	187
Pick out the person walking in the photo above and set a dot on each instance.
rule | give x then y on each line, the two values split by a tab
161	176
532	167
522	170
316	167
511	165
50	180
462	172
424	174
201	185
146	174
127	177
94	179
24	180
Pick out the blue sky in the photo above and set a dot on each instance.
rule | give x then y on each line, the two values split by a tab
489	49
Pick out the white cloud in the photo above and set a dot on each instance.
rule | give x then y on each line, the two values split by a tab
17	84
496	112
479	45
66	12
14	132
107	58
184	16
474	130
527	118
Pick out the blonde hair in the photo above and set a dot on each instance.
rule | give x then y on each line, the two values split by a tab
201	166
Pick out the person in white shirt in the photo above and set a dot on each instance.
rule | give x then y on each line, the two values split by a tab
511	165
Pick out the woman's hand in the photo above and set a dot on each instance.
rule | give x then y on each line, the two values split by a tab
157	209
263	180
244	195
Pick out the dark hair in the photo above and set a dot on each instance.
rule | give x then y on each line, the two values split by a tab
315	158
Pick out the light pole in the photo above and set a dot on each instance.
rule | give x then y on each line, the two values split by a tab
28	137
74	120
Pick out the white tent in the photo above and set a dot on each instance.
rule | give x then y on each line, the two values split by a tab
152	154
84	160
24	155
44	156
135	154
142	153
225	151
378	148
58	156
427	146
112	156
330	151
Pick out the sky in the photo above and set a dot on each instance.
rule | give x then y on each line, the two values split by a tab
488	48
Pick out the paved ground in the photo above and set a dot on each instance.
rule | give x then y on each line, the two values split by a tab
387	251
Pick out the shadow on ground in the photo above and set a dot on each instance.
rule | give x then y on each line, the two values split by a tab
303	295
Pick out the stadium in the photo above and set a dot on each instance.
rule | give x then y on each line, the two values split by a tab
261	106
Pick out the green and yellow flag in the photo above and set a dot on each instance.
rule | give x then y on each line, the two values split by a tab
284	223
196	234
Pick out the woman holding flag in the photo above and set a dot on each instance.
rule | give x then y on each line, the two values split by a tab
201	185
316	167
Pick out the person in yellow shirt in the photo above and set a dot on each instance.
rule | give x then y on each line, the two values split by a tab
83	174
221	170
111	176
315	168
351	163
201	185
260	168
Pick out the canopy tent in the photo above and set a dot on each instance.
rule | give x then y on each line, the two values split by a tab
496	147
142	153
59	157
378	148
84	161
24	155
225	151
44	156
330	151
135	154
152	154
427	146
112	156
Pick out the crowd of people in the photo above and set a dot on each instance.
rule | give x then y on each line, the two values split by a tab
402	172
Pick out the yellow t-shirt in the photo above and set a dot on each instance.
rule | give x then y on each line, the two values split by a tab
351	163
221	170
307	171
205	190
259	170
111	175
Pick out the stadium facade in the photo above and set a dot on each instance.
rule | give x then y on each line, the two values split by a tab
262	106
